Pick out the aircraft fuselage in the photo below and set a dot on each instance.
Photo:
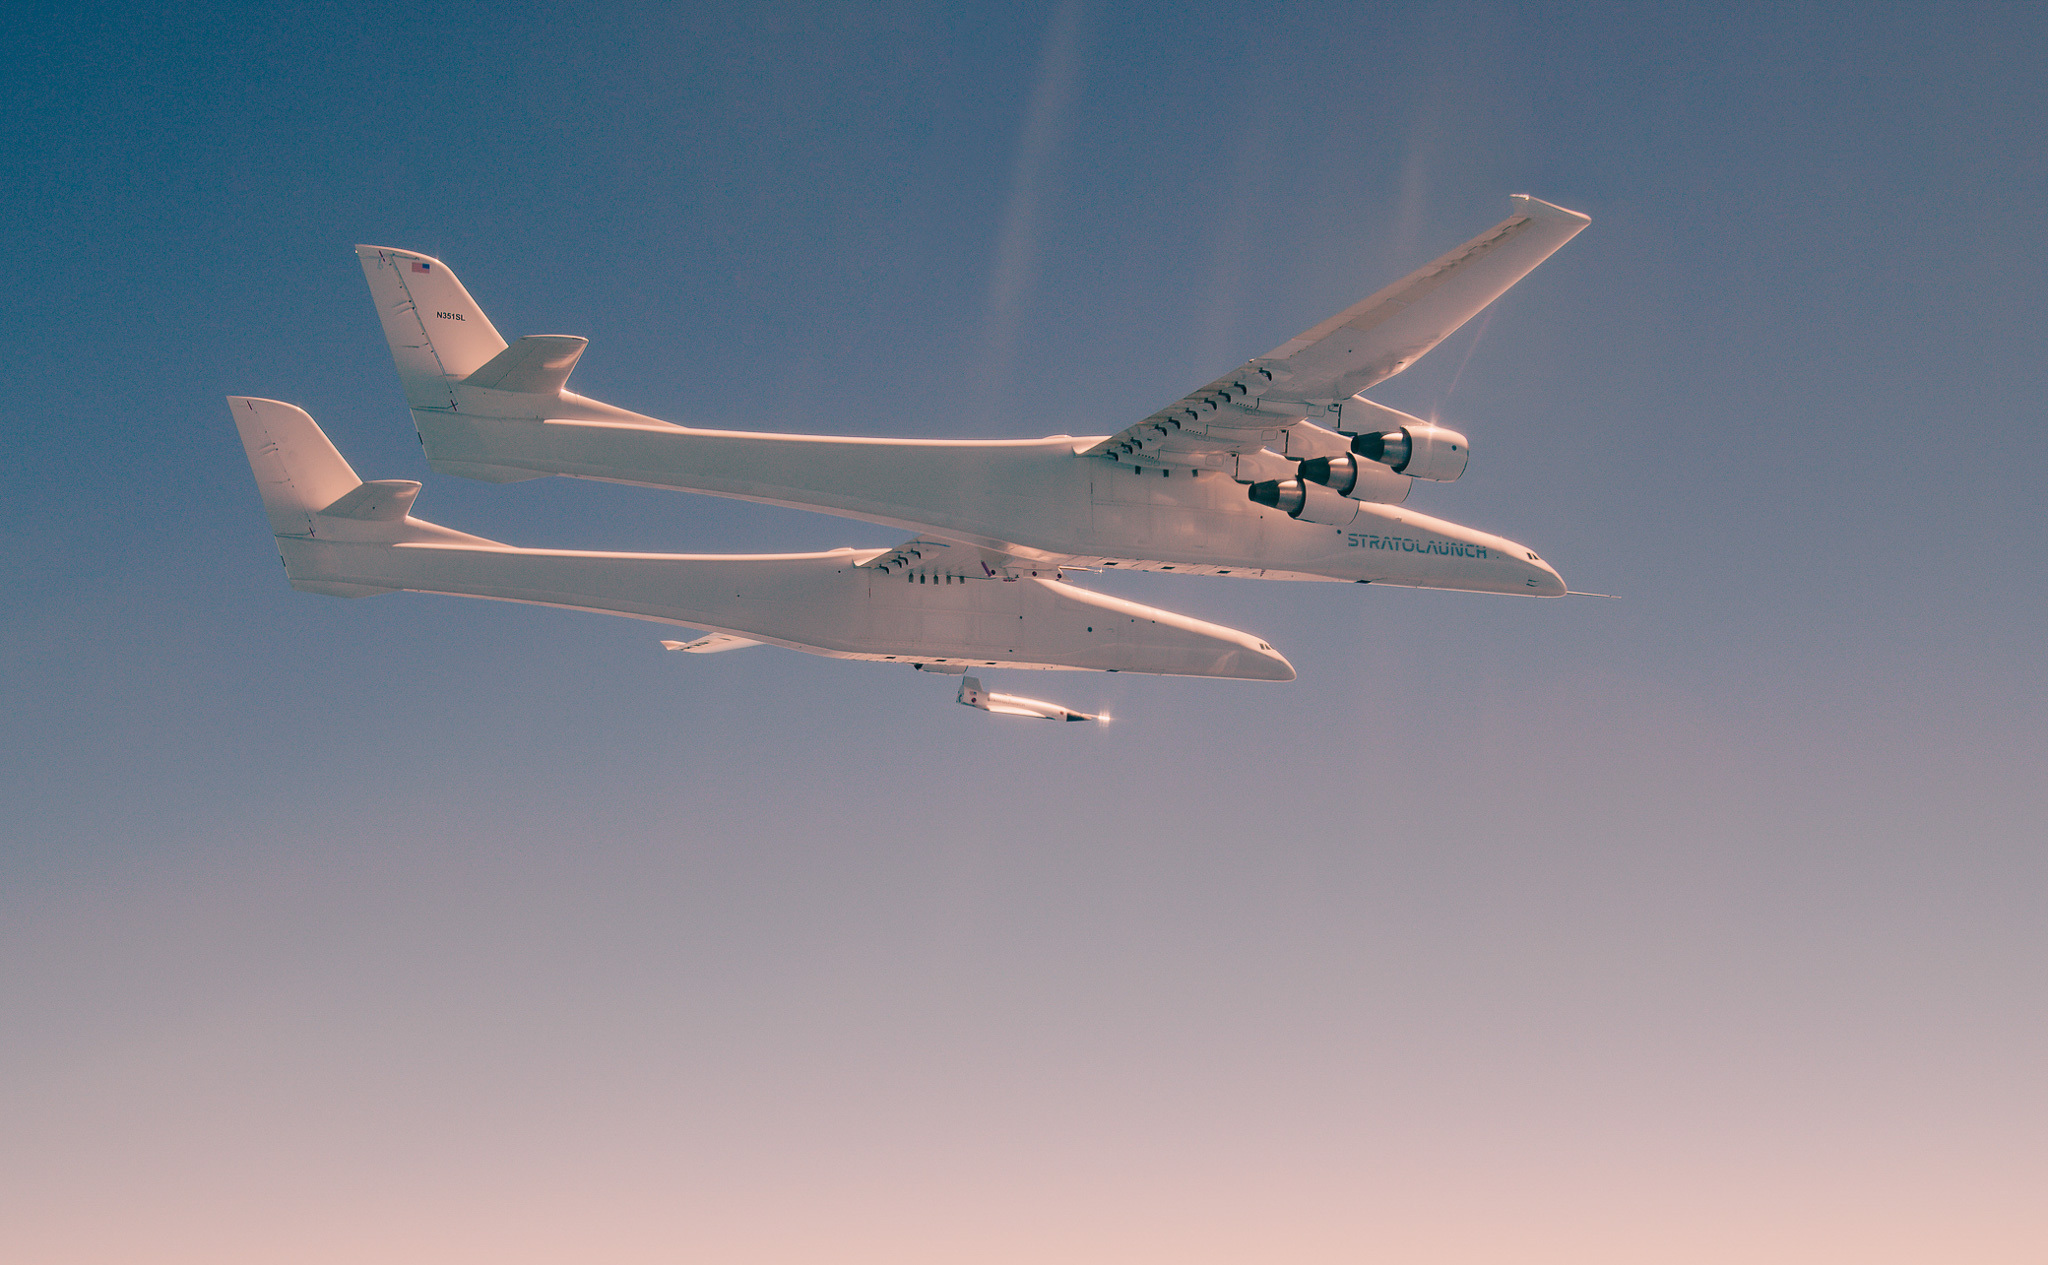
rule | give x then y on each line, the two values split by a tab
1036	499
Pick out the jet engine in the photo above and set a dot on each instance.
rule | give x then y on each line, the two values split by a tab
1357	479
1421	452
1309	502
1339	474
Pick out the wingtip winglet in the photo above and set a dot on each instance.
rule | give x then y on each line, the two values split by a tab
1537	208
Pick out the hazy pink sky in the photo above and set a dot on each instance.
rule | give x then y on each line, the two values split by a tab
1708	925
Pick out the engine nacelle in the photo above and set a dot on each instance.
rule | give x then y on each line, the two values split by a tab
1308	502
1420	452
1359	480
1339	474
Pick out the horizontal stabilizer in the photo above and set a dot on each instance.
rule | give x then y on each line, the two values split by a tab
378	501
715	643
538	364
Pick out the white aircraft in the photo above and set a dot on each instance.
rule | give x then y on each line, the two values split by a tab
973	695
1279	469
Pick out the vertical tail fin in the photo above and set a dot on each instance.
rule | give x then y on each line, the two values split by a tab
317	505
438	334
298	471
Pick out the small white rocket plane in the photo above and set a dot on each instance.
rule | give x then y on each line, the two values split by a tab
1279	469
972	695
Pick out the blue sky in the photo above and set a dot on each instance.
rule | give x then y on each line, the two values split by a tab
1704	923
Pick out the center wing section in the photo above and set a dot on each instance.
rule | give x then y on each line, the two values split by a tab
925	560
1255	405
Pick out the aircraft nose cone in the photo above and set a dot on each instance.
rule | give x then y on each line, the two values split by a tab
1254	663
1546	582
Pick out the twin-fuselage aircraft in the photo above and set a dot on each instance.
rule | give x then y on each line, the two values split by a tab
1279	470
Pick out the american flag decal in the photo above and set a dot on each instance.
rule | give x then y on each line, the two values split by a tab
419	265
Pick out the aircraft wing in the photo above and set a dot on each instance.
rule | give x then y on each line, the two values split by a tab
944	561
1363	345
711	643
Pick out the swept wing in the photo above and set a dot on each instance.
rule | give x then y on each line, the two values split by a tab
1316	373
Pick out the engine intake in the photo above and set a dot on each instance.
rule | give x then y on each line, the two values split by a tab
1421	452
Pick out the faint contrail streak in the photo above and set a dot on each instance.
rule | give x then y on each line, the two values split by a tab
1425	134
1011	277
1477	336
